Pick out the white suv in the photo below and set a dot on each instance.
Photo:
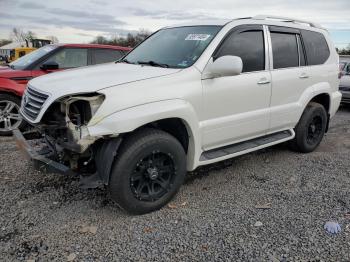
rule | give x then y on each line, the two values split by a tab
188	96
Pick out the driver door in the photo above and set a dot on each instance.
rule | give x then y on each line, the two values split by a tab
65	58
237	107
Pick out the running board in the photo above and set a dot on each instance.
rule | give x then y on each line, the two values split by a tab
247	146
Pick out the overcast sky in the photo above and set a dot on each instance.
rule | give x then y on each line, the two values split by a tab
81	20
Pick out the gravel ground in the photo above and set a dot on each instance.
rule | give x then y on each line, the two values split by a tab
214	217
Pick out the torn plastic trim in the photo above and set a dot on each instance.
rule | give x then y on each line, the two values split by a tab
40	162
78	130
95	100
105	155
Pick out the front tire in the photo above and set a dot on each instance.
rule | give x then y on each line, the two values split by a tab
148	172
310	129
10	117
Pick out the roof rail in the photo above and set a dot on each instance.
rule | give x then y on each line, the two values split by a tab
287	19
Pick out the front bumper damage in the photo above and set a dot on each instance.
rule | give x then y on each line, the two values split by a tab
62	142
30	149
105	152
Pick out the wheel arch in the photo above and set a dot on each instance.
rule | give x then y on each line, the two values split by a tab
11	87
324	99
4	91
175	126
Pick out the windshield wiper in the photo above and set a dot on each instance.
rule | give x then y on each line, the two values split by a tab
152	63
11	66
124	61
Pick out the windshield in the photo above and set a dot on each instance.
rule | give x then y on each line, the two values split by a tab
178	47
26	60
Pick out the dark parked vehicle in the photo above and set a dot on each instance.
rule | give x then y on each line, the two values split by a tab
47	59
344	85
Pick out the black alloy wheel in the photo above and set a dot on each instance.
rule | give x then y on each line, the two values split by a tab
153	176
314	130
310	130
149	170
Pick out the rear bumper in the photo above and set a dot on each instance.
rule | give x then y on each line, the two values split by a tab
335	103
40	162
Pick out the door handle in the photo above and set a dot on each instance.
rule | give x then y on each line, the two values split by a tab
303	76
263	81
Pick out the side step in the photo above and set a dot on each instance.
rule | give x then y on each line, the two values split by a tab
253	144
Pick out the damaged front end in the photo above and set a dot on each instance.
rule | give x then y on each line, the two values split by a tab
63	143
67	119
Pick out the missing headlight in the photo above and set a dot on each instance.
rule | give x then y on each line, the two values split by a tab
79	112
80	109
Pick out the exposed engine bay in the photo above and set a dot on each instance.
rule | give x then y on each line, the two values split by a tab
64	133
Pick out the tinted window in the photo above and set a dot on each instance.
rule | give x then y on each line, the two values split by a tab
284	50
317	51
106	55
249	46
70	57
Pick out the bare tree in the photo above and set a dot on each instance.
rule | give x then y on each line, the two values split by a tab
30	35
18	35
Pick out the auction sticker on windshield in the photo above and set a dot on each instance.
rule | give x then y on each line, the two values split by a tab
197	37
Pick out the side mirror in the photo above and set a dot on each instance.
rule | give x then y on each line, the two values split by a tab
225	66
49	65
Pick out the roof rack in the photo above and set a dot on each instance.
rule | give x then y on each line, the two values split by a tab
287	19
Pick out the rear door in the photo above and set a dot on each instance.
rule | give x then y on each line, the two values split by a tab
290	76
292	81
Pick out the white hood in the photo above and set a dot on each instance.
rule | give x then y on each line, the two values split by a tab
94	78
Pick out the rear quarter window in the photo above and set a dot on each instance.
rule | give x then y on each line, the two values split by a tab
316	47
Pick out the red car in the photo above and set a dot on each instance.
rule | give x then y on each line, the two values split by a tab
48	59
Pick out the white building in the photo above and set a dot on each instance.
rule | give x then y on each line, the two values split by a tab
6	49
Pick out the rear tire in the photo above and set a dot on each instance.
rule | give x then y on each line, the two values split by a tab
10	117
310	129
148	172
